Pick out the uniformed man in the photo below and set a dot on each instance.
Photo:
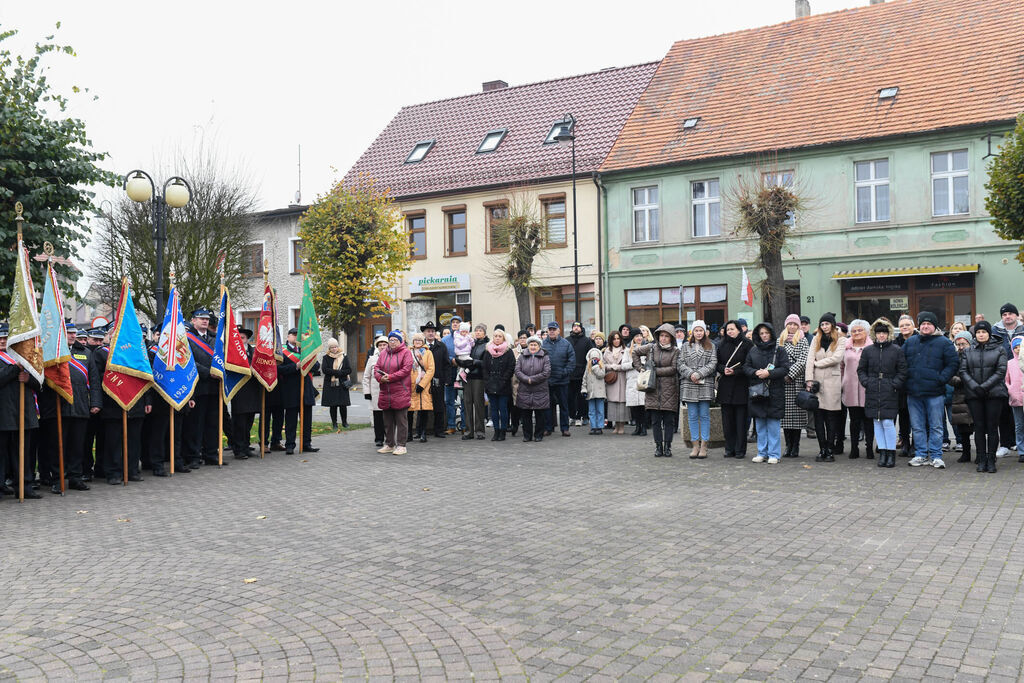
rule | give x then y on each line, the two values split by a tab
92	451
11	378
289	375
200	424
157	432
102	404
75	415
244	406
442	368
48	448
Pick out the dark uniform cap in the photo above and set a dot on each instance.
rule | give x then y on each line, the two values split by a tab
294	331
97	333
201	313
246	331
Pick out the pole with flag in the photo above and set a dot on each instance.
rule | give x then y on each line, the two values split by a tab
23	343
310	344
56	353
174	369
128	374
267	352
230	360
746	290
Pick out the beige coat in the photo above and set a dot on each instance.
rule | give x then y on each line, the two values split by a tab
826	367
616	392
422	376
593	377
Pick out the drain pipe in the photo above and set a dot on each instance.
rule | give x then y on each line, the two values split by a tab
596	177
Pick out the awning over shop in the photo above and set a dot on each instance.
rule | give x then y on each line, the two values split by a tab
906	272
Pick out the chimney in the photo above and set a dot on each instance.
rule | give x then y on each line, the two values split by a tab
494	85
803	8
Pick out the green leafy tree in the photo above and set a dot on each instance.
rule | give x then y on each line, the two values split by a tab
46	162
1005	200
765	207
521	236
216	221
354	248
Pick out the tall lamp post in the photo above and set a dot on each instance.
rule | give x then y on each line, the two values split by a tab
139	187
566	136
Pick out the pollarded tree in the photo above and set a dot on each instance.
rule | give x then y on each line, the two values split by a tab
1005	200
46	162
354	248
521	236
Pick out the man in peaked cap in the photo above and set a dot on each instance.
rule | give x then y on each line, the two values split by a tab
200	423
442	368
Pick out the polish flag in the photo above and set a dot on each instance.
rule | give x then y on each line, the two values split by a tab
748	290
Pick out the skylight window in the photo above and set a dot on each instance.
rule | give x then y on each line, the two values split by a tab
691	123
888	93
492	140
556	128
419	151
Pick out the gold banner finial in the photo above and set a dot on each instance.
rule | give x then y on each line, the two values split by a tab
48	248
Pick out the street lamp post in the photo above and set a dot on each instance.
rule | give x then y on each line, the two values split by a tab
139	187
566	136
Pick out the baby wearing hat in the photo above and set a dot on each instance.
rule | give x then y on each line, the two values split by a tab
463	345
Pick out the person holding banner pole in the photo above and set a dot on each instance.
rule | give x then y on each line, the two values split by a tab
12	382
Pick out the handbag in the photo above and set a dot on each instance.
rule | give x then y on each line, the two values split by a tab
610	377
806	400
645	381
758	391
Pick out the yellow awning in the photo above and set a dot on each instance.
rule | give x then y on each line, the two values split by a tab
906	272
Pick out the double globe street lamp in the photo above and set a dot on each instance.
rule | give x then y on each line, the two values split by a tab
139	187
567	137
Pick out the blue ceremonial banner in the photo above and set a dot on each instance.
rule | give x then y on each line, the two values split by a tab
230	362
174	369
128	373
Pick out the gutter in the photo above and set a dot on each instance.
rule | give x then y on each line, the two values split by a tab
601	274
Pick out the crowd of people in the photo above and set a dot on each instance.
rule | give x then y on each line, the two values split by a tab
894	389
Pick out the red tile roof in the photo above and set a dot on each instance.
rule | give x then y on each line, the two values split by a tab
599	101
815	81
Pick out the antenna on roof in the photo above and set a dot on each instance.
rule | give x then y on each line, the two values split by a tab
298	192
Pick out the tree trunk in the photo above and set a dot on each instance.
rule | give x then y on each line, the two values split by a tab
523	306
775	286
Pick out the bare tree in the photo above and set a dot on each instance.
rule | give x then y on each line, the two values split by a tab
521	235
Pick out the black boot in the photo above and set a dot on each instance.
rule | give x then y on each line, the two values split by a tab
788	437
636	429
883	458
827	456
667	450
820	457
795	453
496	435
658	452
869	448
982	460
892	459
990	463
501	435
854	451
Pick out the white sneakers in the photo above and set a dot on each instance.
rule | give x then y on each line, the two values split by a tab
385	449
757	458
917	461
773	460
1002	452
938	464
401	450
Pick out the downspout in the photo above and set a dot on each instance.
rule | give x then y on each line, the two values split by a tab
601	275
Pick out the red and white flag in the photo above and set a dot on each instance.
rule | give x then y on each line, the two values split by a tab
747	289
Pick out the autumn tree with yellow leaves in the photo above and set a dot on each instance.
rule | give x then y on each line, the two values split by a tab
354	248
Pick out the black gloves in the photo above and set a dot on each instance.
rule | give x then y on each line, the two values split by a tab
367	397
419	388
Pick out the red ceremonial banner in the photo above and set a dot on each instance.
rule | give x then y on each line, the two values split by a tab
264	364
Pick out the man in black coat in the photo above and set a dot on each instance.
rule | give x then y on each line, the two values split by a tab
92	450
288	377
581	343
100	403
11	378
442	372
200	424
244	406
74	416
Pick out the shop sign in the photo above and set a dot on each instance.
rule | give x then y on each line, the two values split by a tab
899	303
439	283
946	281
875	284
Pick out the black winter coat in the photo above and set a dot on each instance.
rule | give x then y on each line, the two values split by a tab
9	399
580	345
336	395
79	383
247	399
498	372
760	357
983	370
207	384
477	353
442	363
882	371
733	389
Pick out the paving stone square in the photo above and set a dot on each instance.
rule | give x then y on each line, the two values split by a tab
575	558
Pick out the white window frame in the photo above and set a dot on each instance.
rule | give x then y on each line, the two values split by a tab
500	133
874	183
293	320
429	144
556	128
291	254
646	208
948	176
263	247
704	204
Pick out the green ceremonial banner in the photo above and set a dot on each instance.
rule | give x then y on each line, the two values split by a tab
310	342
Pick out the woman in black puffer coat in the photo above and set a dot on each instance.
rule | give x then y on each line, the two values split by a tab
882	371
733	388
983	372
767	363
960	416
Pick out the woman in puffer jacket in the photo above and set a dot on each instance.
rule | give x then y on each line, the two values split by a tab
662	403
882	372
983	372
593	389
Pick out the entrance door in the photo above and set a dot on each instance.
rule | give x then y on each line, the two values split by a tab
948	307
369	330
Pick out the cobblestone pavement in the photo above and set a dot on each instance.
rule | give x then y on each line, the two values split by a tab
581	558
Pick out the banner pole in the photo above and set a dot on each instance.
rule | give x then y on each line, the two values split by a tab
171	409
124	445
21	441
60	446
302	409
220	424
263	423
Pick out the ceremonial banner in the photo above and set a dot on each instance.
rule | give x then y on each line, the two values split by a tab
266	352
54	339
128	374
310	341
174	369
230	361
23	342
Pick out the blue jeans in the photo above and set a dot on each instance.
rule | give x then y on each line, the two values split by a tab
768	432
451	397
1018	424
699	415
559	394
499	411
885	435
595	407
926	416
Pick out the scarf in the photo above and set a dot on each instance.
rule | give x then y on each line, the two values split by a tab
497	349
616	354
418	356
337	353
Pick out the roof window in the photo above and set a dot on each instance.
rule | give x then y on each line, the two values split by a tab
419	151
492	140
556	128
690	123
888	93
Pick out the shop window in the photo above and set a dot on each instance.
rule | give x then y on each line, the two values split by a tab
950	186
456	232
497	235
554	222
417	227
871	184
792	301
652	307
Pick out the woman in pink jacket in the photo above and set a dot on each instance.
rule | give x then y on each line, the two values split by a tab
853	391
1015	386
392	371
